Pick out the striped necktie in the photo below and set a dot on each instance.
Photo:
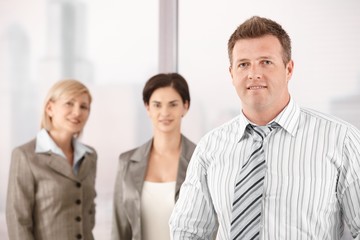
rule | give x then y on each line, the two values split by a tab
246	213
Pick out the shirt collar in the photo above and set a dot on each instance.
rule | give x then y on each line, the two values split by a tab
288	119
44	143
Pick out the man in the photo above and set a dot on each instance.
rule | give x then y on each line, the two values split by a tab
277	171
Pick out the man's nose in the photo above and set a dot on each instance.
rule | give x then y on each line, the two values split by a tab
254	73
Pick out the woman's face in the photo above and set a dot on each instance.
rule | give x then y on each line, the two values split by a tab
69	115
166	109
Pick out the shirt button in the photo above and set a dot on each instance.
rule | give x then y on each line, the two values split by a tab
78	201
79	236
78	219
78	185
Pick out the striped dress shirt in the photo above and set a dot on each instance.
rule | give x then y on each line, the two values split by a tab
312	181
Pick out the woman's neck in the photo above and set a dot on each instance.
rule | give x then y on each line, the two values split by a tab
64	142
166	143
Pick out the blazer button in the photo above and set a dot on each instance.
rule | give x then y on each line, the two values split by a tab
79	236
78	185
78	219
78	201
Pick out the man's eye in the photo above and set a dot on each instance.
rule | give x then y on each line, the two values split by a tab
69	104
267	62
243	65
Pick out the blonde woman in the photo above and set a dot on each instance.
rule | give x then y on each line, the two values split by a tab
51	187
150	176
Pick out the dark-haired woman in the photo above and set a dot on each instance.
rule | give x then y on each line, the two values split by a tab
149	177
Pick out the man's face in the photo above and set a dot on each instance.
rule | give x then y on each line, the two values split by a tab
260	76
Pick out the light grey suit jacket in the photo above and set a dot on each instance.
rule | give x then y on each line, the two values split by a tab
45	200
129	182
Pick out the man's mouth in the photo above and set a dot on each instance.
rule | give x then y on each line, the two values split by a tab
256	87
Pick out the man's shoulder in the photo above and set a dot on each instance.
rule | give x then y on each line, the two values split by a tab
312	113
325	118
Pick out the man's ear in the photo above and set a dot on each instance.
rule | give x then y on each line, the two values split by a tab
289	69
230	71
231	74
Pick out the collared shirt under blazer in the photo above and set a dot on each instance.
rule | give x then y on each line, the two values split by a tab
46	200
128	186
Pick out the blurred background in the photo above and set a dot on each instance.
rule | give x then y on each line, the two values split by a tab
114	46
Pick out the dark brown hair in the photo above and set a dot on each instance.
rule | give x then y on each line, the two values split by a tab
174	80
256	27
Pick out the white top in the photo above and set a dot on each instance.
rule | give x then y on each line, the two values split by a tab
157	203
312	183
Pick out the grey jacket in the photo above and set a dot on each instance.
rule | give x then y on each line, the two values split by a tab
128	186
45	200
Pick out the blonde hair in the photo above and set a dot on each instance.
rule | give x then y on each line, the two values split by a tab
68	88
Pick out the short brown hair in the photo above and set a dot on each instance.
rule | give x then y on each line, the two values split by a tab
174	80
256	27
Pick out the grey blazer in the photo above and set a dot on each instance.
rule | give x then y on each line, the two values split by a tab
45	200
128	186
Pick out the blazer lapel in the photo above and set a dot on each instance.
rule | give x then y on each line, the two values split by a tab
139	164
87	164
187	148
58	164
183	163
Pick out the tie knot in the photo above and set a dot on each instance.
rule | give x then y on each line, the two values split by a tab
260	132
